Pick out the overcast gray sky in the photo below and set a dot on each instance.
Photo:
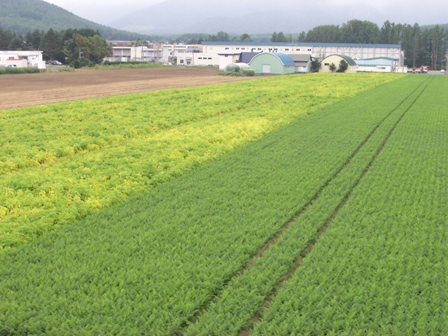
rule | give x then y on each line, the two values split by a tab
103	11
378	11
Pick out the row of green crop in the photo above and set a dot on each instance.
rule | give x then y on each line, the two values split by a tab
60	162
245	294
381	267
148	265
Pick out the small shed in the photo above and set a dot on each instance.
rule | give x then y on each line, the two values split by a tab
377	64
228	57
302	62
272	63
336	60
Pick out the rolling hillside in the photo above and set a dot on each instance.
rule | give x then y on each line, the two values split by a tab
22	16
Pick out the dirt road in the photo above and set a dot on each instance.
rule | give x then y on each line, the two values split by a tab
52	87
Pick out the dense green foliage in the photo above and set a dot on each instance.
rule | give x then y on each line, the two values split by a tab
380	268
86	46
127	65
60	162
23	16
8	71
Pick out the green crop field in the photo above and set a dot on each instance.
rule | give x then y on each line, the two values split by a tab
60	162
322	210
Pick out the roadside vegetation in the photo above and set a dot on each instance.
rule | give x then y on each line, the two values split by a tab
16	71
127	65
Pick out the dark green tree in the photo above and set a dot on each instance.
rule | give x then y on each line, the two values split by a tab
86	49
281	37
325	34
6	37
17	43
222	37
51	44
33	39
332	67
245	38
301	37
343	66
315	65
356	31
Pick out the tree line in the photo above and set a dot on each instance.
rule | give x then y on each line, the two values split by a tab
78	47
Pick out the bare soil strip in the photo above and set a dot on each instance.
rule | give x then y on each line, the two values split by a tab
324	228
54	87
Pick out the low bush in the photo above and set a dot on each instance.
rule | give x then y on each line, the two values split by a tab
7	71
244	72
249	72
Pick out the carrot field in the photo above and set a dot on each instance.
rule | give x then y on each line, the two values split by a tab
63	161
299	205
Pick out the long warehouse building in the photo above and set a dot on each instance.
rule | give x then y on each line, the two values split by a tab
316	50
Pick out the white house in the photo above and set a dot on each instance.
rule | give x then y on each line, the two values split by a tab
173	51
136	54
22	59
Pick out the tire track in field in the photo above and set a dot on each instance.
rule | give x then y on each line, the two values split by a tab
215	296
304	253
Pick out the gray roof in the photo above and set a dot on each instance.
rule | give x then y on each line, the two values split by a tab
379	58
304	44
348	59
300	57
246	57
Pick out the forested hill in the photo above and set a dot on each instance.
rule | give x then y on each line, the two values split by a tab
22	16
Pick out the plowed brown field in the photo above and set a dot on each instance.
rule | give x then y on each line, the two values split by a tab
51	87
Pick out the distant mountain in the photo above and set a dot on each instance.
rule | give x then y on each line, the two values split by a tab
22	16
258	17
175	16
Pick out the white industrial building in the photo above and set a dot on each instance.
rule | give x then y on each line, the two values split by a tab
136	54
196	58
22	59
369	57
316	50
164	53
380	64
